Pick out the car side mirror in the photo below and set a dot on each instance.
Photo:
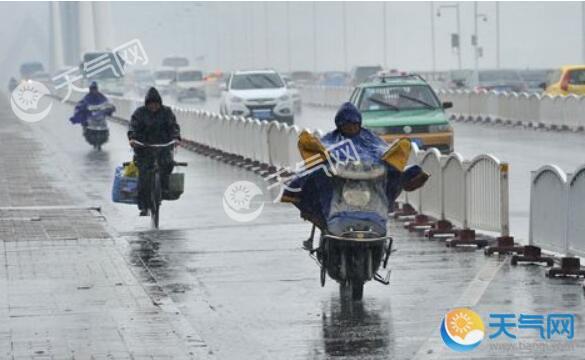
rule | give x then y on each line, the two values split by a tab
447	105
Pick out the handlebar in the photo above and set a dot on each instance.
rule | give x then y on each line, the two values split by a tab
172	142
102	106
175	163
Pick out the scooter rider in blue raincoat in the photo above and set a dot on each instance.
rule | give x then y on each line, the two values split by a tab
316	190
94	97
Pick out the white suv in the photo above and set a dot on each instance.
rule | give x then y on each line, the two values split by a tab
260	94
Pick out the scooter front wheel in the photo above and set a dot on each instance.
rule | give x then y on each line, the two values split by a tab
355	289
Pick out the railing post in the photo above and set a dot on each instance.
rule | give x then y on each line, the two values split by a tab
531	213
466	187
504	201
565	215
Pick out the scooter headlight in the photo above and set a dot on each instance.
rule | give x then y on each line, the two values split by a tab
356	195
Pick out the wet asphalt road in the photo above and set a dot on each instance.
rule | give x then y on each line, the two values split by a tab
252	293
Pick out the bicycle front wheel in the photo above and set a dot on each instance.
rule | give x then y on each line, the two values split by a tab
155	200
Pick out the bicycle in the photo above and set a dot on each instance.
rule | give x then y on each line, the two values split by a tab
155	198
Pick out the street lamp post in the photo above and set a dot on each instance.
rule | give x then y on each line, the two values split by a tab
497	34
266	32
476	41
384	37
457	14
288	52
344	36
250	39
433	50
583	31
315	37
218	40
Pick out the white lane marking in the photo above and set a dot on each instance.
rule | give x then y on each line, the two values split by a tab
431	348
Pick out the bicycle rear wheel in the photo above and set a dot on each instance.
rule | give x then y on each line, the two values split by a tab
155	200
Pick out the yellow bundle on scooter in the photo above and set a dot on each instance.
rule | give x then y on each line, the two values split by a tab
131	170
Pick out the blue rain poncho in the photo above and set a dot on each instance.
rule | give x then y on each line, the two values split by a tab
81	112
314	191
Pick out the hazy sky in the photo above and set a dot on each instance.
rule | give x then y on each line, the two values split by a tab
243	35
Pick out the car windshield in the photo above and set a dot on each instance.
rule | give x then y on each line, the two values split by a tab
256	81
577	77
490	76
164	75
395	98
190	76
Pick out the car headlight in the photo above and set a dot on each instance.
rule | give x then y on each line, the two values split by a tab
236	99
284	97
355	195
440	128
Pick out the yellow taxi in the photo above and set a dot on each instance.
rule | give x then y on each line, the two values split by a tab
569	79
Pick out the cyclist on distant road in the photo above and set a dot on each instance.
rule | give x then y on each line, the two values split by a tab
152	123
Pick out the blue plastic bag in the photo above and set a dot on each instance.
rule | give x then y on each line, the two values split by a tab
125	189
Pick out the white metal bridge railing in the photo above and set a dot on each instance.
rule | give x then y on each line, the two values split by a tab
470	194
557	210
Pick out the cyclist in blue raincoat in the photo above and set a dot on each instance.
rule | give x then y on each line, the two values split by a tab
94	97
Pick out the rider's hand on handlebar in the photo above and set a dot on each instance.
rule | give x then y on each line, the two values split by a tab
132	143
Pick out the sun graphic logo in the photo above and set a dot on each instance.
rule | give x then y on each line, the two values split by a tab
26	98
462	329
237	199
